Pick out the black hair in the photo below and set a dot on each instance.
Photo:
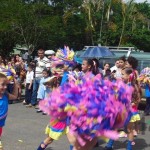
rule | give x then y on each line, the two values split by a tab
78	66
31	66
128	71
48	71
106	64
133	62
95	66
90	63
108	72
60	66
123	58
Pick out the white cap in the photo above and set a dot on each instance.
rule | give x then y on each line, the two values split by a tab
49	52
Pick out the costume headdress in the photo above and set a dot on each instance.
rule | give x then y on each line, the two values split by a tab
63	57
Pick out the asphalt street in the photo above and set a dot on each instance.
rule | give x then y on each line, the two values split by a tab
24	130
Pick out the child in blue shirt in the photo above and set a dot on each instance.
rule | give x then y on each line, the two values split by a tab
147	95
4	97
43	90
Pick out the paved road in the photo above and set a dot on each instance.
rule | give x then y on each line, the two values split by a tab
24	130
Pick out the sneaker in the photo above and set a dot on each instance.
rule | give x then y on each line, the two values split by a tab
44	113
29	106
1	146
10	102
36	107
108	148
24	102
39	111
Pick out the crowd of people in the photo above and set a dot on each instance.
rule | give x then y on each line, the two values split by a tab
41	76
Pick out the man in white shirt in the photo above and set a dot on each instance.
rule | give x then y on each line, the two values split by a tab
41	62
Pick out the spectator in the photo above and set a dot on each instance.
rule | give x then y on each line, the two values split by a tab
43	90
18	67
114	68
121	65
106	67
8	70
29	85
40	65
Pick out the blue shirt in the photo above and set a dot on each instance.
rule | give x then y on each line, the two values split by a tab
64	78
43	91
147	90
3	109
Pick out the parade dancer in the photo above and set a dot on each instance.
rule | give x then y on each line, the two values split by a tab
4	97
127	77
56	127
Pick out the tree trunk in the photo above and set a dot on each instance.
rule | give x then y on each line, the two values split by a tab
123	26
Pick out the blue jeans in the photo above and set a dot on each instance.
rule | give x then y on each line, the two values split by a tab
28	94
147	109
10	88
36	84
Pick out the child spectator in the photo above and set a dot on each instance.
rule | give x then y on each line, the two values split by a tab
29	85
42	91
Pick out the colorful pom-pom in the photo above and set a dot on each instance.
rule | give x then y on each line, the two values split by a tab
94	107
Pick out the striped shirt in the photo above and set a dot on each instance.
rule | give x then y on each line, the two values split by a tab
40	66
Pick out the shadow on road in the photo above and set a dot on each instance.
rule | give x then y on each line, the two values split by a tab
49	148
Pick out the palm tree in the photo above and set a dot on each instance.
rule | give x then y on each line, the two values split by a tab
126	13
91	7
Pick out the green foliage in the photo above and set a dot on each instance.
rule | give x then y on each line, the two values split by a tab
51	24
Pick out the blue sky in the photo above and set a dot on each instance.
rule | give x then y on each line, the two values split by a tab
142	1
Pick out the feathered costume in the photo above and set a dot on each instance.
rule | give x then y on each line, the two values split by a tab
63	57
144	76
94	107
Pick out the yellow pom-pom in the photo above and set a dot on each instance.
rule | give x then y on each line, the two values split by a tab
104	139
10	78
70	108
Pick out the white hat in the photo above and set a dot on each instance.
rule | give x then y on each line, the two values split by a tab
49	52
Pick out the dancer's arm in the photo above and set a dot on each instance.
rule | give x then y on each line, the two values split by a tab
14	95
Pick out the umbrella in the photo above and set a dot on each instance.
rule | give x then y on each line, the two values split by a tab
97	52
